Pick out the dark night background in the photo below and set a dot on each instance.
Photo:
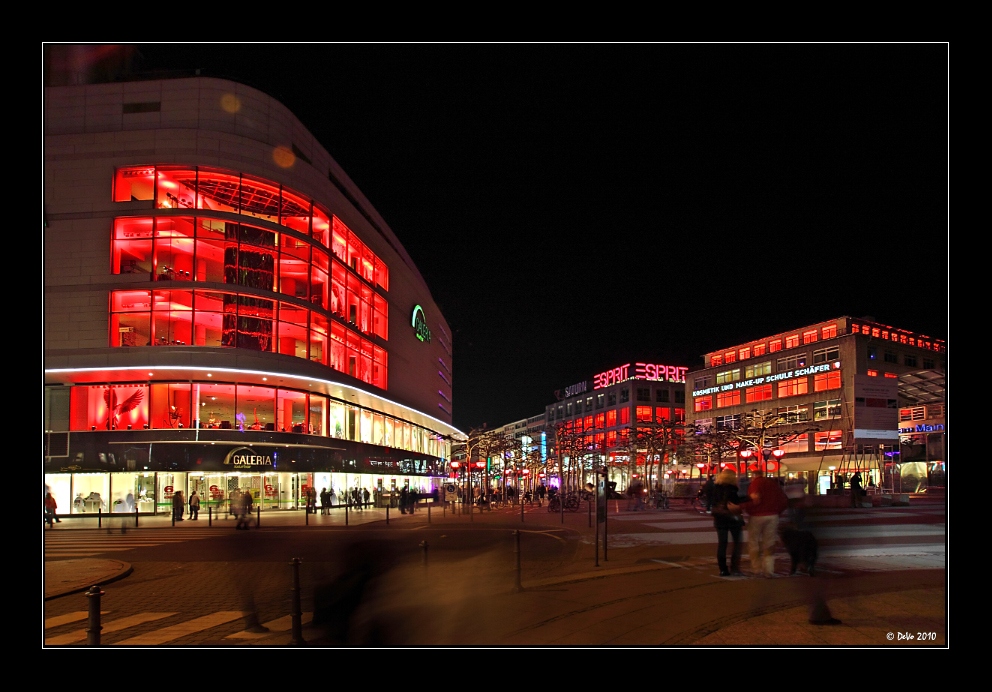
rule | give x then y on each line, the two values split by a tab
574	207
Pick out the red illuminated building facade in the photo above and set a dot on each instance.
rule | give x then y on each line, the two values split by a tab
596	421
835	397
223	308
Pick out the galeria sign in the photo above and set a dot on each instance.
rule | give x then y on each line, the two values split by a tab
419	322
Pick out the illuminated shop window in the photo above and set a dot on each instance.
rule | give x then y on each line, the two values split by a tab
829	332
611	418
810	336
825	410
600	420
587	421
828	440
730	356
643	414
794	414
793	387
891	375
759	393
680	415
611	438
758	370
731	398
774	345
759	350
826	380
792	341
662	413
873	373
744	353
624	416
134	184
716	360
728	376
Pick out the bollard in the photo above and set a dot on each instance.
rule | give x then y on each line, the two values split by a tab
210	516
347	507
387	515
307	520
258	517
423	544
136	515
521	511
173	516
93	625
99	519
518	586
428	512
297	618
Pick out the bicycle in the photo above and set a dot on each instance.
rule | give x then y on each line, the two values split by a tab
571	502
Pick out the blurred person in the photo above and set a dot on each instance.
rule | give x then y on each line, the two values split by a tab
51	507
768	501
325	500
244	518
365	496
404	499
707	492
727	520
541	492
194	506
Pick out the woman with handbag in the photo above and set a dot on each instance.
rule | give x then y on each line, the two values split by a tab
727	519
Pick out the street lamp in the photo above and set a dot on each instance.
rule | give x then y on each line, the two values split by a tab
773	460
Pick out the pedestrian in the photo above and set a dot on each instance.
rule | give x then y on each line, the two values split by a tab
234	503
194	506
768	501
51	508
365	496
325	500
727	520
244	518
708	492
414	497
541	492
178	506
404	499
856	489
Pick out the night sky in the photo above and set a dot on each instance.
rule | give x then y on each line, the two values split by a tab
574	207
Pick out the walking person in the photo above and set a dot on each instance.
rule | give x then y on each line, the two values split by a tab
365	496
244	518
727	520
51	507
404	500
194	506
541	492
768	501
325	500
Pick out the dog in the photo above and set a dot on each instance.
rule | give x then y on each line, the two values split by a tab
802	547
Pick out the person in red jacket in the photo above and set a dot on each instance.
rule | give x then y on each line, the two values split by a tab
768	501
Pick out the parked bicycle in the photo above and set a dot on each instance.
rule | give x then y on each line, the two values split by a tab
571	502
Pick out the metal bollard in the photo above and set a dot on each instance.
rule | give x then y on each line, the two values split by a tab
135	516
347	507
99	517
210	516
387	515
423	545
518	586
258	517
307	520
297	617
93	625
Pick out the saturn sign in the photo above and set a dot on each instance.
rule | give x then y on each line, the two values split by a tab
420	328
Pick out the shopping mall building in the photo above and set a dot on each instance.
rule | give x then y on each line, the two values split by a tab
224	309
841	395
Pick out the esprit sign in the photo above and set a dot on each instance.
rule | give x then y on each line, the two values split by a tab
244	456
419	322
642	371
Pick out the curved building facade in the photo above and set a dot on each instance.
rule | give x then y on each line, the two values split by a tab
224	310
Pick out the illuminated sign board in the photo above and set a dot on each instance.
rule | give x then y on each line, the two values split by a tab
419	322
243	456
922	428
788	374
642	371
